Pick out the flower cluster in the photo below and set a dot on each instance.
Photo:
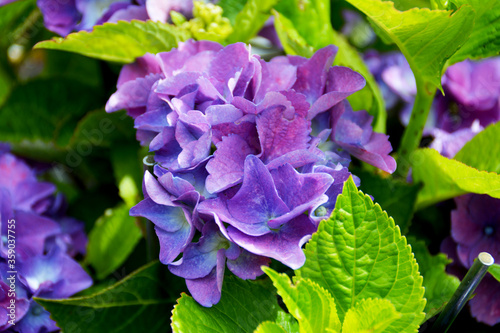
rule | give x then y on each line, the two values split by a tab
251	154
471	101
475	228
36	248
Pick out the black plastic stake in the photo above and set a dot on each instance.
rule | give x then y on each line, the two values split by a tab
464	291
151	239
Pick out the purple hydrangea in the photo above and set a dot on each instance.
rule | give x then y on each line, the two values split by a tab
475	228
250	154
471	101
45	242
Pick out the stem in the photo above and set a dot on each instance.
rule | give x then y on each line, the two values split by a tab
463	292
413	132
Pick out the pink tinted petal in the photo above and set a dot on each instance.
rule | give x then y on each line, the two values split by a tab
282	125
341	82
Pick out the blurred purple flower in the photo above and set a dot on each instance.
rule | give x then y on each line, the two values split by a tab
471	101
475	228
250	154
45	241
64	17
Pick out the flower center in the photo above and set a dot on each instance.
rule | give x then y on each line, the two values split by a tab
488	230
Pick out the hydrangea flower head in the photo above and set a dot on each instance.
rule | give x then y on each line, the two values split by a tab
46	240
250	154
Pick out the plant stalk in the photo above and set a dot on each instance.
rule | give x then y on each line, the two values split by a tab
413	132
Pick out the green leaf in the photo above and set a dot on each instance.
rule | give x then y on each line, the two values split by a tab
444	178
100	129
397	197
439	286
304	27
495	271
292	41
231	8
46	110
359	253
310	304
270	327
370	316
128	169
288	322
484	40
120	42
112	239
134	304
243	306
427	38
483	144
250	19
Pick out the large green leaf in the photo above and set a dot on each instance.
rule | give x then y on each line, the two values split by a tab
483	144
305	26
439	286
359	253
270	327
134	304
46	110
120	42
312	305
427	38
397	197
112	239
370	315
250	19
444	178
243	306
484	40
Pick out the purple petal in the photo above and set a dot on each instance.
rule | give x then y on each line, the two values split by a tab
248	265
36	320
59	17
341	82
132	94
282	125
54	275
474	84
284	245
200	258
312	75
207	290
32	231
448	144
128	13
142	67
353	133
300	190
179	57
172	225
257	201
226	168
276	76
159	10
